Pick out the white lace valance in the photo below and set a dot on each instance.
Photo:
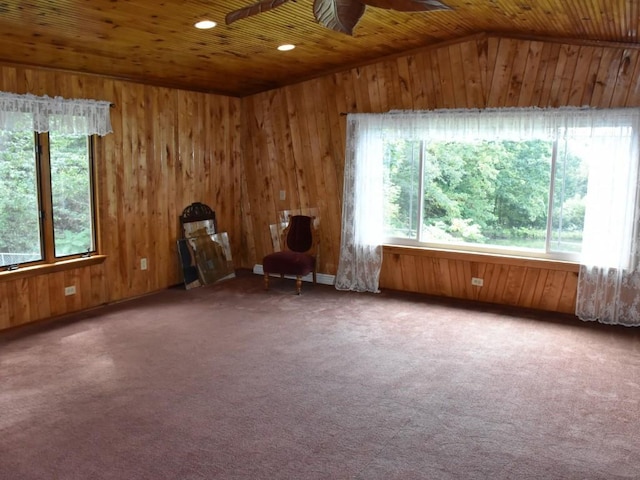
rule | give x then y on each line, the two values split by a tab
70	116
502	123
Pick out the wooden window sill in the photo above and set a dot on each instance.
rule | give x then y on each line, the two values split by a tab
482	257
42	269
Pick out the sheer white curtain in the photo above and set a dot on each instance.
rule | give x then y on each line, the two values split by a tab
362	203
69	116
609	283
609	280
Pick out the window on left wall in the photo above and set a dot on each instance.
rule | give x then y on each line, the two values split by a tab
47	209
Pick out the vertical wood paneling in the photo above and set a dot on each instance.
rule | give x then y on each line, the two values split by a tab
72	277
23	301
165	135
405	83
333	129
627	76
236	213
361	94
490	71
98	286
519	283
589	82
563	76
470	57
501	75
258	179
605	78
532	66
633	92
160	158
142	242
549	77
40	287
583	64
458	77
285	179
56	294
438	80
153	204
423	90
528	286
372	88
5	306
516	77
308	186
173	147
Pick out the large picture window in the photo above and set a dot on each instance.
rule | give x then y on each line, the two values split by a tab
525	197
557	184
551	183
46	205
507	182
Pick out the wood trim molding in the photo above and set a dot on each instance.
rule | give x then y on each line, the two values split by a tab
482	257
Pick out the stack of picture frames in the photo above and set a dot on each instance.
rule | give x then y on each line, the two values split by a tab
204	253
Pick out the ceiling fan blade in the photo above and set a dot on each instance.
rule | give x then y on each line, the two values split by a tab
338	15
256	8
408	5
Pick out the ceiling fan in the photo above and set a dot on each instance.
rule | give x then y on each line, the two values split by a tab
340	15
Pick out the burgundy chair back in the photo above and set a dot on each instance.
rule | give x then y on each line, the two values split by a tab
299	237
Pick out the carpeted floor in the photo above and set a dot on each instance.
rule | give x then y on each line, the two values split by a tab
231	382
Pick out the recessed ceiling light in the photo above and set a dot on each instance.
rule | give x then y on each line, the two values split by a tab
205	24
287	47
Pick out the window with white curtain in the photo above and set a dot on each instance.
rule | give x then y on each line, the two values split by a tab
492	191
553	183
46	206
47	209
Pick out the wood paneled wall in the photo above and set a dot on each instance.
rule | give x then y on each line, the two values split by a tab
173	147
169	148
295	141
543	285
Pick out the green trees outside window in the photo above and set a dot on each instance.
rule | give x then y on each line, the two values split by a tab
19	199
46	197
71	194
487	194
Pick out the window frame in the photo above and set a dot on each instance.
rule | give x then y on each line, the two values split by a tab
500	250
42	160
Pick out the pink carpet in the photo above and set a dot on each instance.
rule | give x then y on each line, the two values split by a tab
232	382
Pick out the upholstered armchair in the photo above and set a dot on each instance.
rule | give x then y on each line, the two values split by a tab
299	256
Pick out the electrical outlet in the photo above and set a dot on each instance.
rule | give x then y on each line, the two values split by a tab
143	264
477	282
283	195
70	290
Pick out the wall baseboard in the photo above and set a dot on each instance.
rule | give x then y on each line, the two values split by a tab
322	278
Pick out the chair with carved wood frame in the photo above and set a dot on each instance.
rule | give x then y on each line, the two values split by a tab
300	254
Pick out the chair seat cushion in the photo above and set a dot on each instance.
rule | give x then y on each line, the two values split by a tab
289	263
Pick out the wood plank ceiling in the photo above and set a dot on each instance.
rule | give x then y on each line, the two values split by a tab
155	42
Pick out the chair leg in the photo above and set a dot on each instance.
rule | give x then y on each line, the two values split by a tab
298	284
266	281
314	277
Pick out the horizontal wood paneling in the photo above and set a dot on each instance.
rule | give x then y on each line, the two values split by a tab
297	142
169	148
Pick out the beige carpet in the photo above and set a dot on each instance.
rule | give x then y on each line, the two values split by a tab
231	382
